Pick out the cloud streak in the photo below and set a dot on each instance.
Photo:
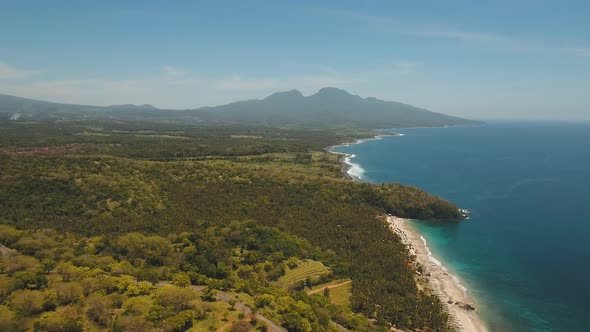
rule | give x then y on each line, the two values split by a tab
173	88
11	72
422	29
174	72
392	25
455	34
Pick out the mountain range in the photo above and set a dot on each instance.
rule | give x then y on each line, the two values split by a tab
328	108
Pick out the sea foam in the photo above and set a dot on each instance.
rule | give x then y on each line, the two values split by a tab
354	170
438	263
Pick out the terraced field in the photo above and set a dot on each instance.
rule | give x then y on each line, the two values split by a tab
307	269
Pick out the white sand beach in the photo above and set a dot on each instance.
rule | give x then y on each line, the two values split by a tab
438	278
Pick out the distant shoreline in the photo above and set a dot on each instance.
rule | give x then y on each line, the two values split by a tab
349	169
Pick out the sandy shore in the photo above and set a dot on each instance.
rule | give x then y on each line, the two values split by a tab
438	279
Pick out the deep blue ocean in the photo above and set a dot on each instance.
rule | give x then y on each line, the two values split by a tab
525	253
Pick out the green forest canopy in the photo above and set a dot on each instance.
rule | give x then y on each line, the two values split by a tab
270	194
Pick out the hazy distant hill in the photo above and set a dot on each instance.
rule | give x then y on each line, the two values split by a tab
132	106
31	109
329	107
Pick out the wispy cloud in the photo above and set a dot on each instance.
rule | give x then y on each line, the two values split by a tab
306	83
174	87
403	66
455	34
449	31
175	72
386	24
11	72
236	82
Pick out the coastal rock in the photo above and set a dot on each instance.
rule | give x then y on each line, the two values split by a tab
465	306
468	306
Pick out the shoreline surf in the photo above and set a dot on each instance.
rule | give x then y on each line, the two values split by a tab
445	285
432	274
351	170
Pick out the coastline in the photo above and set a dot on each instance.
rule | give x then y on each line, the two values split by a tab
437	278
350	170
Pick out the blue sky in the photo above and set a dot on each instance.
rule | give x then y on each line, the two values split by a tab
482	59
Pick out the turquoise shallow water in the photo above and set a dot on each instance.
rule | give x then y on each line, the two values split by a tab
524	254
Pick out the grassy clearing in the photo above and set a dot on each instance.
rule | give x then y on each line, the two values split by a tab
307	269
150	132
139	135
88	133
163	136
247	299
340	295
217	314
247	136
339	291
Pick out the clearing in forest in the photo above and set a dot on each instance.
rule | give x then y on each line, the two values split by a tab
339	291
307	268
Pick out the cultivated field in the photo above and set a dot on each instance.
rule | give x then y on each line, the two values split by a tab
306	269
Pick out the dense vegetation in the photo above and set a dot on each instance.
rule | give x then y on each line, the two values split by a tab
248	199
147	140
136	282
